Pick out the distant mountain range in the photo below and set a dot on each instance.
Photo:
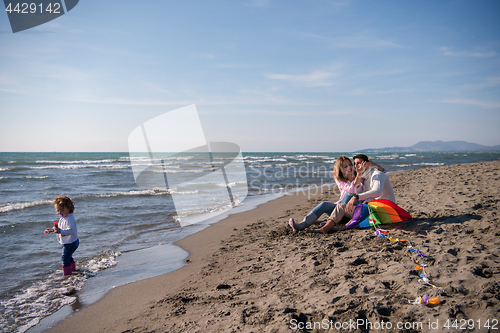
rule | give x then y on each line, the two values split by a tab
428	146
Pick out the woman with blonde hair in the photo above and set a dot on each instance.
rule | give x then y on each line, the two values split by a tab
348	182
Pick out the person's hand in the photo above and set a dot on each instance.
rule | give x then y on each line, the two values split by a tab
350	205
57	230
361	167
370	165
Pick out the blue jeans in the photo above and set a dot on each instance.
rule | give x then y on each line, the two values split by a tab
327	207
67	252
347	197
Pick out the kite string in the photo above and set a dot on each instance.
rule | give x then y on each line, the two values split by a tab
424	277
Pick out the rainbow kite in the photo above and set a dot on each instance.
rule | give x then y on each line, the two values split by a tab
377	212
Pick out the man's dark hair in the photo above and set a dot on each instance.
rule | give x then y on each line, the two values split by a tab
362	157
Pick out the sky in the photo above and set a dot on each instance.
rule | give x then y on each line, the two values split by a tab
267	75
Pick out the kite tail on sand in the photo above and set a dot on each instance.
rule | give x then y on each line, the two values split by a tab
377	212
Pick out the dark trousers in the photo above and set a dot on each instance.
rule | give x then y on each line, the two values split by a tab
67	252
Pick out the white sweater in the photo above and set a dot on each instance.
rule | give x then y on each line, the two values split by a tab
69	232
379	186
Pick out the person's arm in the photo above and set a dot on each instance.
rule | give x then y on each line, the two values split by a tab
346	187
371	164
70	230
377	185
66	232
350	205
357	181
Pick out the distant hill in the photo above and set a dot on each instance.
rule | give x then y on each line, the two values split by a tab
428	146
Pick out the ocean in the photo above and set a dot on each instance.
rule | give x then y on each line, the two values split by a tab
126	230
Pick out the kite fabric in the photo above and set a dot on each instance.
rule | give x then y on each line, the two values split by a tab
377	212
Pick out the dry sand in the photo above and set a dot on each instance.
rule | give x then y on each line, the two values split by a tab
251	273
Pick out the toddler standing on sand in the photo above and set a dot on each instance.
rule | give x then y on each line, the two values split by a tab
66	232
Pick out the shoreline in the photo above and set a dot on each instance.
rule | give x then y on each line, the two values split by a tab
133	306
113	277
125	272
198	245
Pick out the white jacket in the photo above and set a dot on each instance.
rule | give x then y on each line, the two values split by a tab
69	232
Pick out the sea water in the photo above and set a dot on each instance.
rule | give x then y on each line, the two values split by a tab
126	231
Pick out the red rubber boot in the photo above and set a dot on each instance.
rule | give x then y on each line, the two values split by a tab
67	270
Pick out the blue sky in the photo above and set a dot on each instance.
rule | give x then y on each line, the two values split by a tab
267	75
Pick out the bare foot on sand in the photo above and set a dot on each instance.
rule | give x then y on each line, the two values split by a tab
318	231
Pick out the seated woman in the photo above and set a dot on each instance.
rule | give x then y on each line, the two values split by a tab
362	164
348	183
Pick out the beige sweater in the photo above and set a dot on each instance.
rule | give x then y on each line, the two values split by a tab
377	186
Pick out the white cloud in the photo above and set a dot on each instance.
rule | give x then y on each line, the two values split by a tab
201	55
158	88
370	91
483	104
11	90
446	51
362	39
486	83
259	3
312	111
313	79
341	3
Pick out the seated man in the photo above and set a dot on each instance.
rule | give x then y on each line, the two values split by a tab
377	184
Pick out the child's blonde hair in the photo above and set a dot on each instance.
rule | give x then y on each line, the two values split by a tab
65	201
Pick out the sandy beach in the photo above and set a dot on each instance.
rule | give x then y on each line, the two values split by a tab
251	273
